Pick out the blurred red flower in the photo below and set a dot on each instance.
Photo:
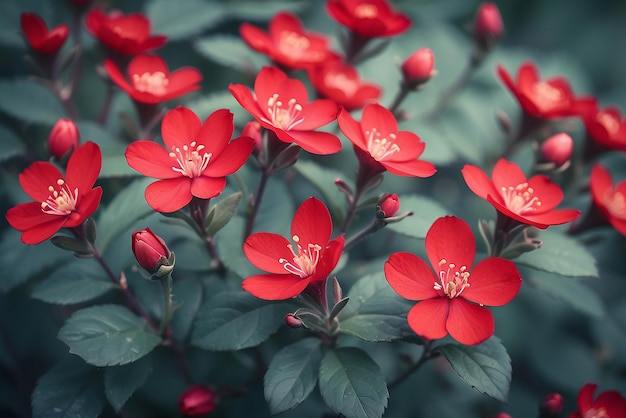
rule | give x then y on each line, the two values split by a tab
282	105
293	269
528	201
378	138
287	43
548	99
151	81
368	18
606	127
197	400
58	202
38	36
609	404
340	82
452	297
610	199
124	34
195	161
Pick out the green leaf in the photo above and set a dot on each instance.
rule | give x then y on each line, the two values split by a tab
425	212
562	255
189	292
323	178
183	20
352	384
10	144
229	244
72	389
114	162
222	212
108	335
68	243
375	312
230	51
292	375
76	282
234	320
120	382
485	367
29	101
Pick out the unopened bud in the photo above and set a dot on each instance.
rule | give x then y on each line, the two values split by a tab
551	406
389	205
64	138
151	251
293	321
488	26
557	149
418	68
197	400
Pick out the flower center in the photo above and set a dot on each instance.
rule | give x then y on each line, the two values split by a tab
341	82
615	203
546	92
61	201
452	281
153	83
305	261
381	148
609	122
366	11
520	199
596	413
282	115
191	160
294	45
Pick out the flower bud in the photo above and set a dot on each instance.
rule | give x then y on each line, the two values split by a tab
557	149
418	68
389	205
150	250
488	26
551	406
64	138
293	321
197	400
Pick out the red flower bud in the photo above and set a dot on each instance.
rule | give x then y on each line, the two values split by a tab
197	400
557	149
293	321
419	67
551	406
64	138
150	250
488	26
390	205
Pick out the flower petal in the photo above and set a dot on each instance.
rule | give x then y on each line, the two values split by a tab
548	192
182	81
317	113
601	182
86	207
146	63
83	167
493	282
613	403
43	231
216	131
351	129
411	147
275	286
554	217
450	239
428	318
265	249
506	173
180	127
478	181
245	98
379	118
28	215
36	179
256	38
151	160
312	223
585	397
207	187
231	158
328	259
468	323
410	276
169	195
415	168
320	143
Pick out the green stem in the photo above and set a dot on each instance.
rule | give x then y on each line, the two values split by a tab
257	203
393	107
373	227
168	308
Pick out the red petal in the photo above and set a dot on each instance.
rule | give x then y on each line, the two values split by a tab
613	403
284	22
548	192
351	129
320	143
601	182
317	113
507	80
151	43
183	81
180	127
410	276
169	195
410	146
117	77
83	167
42	232
585	397
264	249
275	286
207	187
493	282
527	77
86	207
506	174
428	318
312	223
468	323
244	97
34	27
554	217
36	179
216	131
266	85
450	239
416	168
28	215
255	38
478	181
328	259
231	158
379	118
147	64
151	160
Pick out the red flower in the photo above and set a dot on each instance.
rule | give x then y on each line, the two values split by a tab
549	99
195	161
611	200
197	400
123	34
368	18
528	201
287	43
151	81
292	270
282	106
59	202
609	404
39	38
340	82
606	127
447	294
377	136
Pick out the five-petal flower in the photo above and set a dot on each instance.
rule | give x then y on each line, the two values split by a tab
606	127
292	267
368	18
452	296
59	202
195	161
